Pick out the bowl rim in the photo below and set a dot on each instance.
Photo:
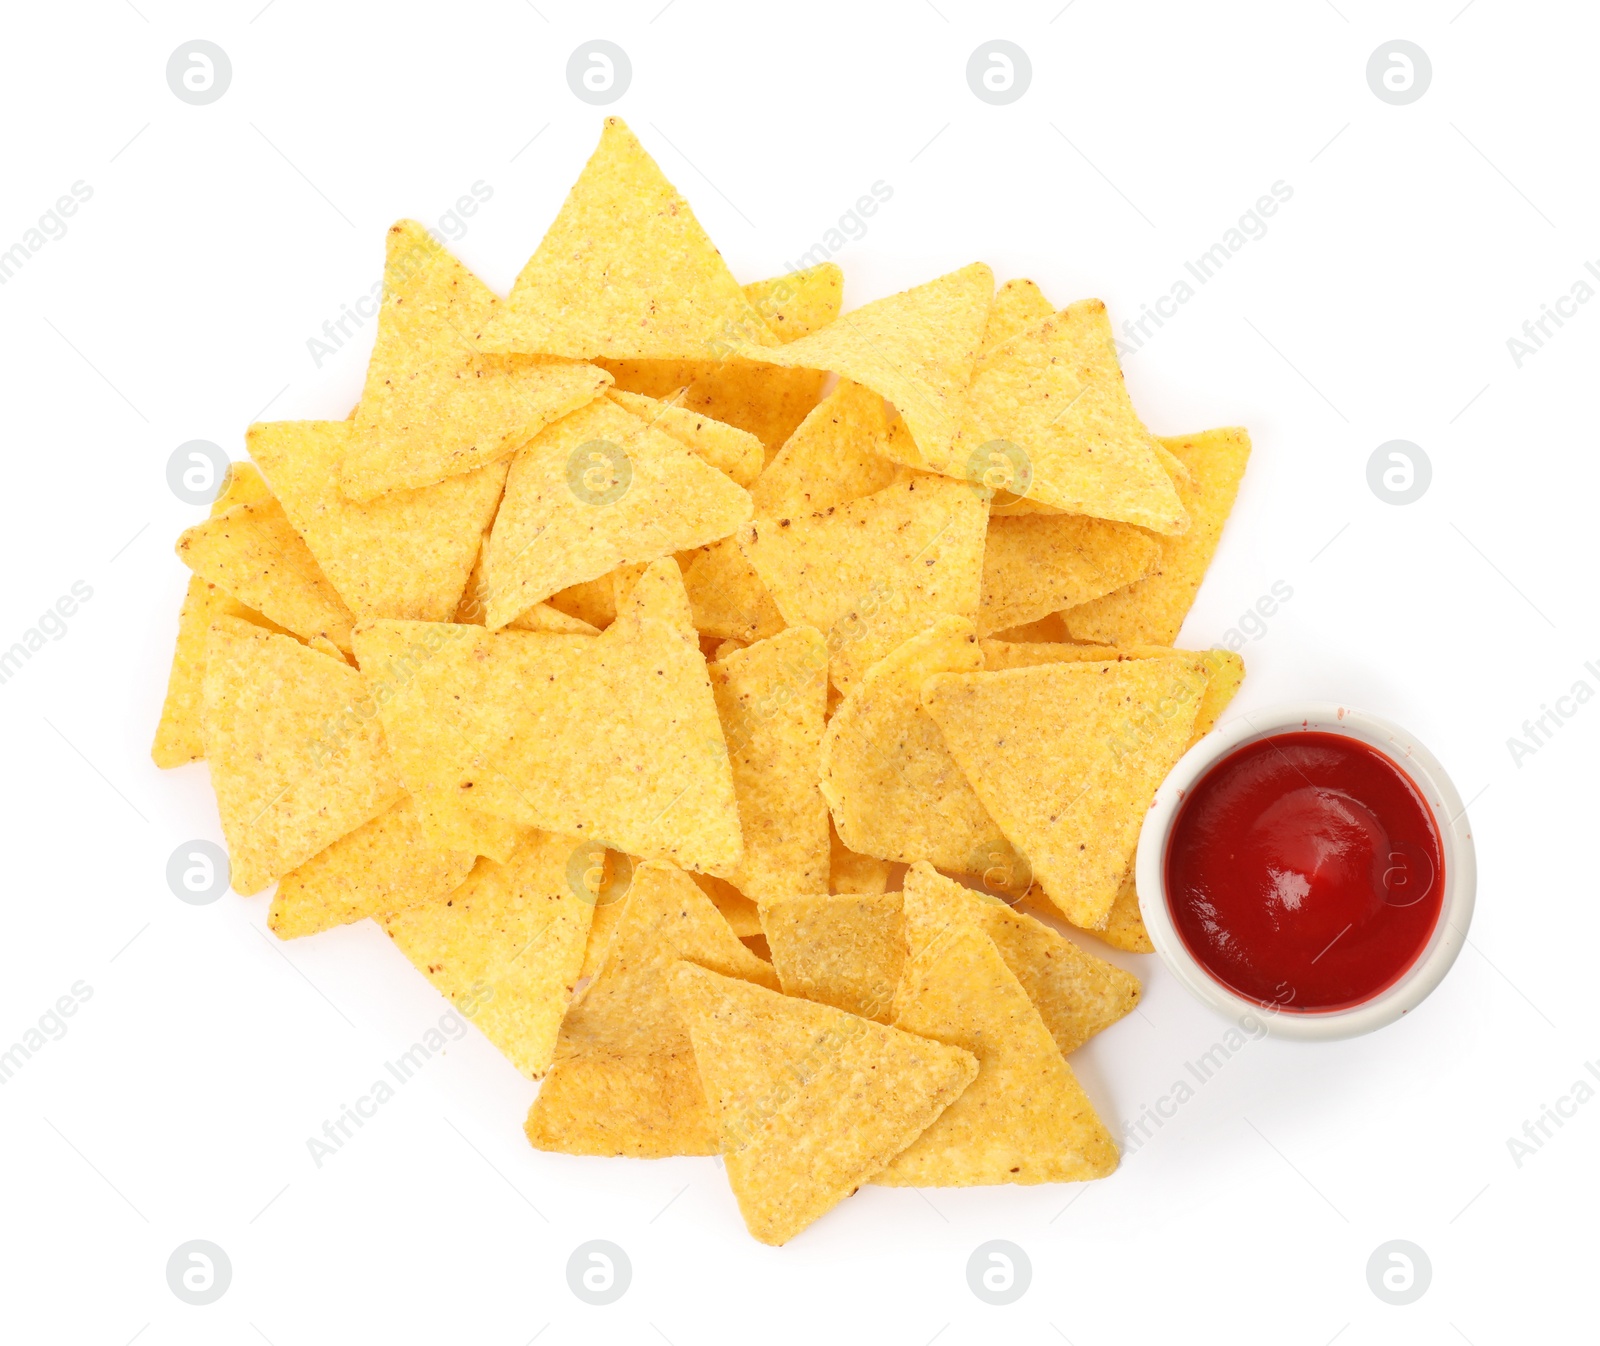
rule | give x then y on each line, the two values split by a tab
1413	758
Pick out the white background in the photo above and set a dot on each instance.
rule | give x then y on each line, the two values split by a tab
1378	306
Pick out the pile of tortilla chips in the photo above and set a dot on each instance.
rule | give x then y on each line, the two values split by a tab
701	684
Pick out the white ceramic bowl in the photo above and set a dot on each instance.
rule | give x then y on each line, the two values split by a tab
1455	839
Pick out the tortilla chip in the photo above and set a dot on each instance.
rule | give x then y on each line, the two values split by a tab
727	597
845	949
873	572
641	1107
849	872
770	699
384	865
1018	305
253	552
433	407
1038	564
741	914
1066	758
891	784
598	490
406	554
1152	610
291	776
448	825
625	271
508	943
832	458
1024	1119
809	1101
1047	630
626	1093
1055	392
916	348
622	744
474	606
178	739
733	452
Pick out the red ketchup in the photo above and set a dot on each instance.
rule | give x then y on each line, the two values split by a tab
1304	871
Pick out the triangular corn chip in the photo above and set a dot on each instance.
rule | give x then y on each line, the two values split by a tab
253	552
916	348
1224	672
770	698
384	865
433	406
292	769
873	572
623	1070
242	484
1018	305
406	554
598	490
640	1107
733	452
509	942
1066	758
727	597
831	458
809	1101
593	602
844	949
178	739
1152	610
1051	402
1038	564
891	784
474	606
625	271
621	744
1025	1119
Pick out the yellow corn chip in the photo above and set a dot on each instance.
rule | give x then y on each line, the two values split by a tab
290	780
741	914
832	458
509	942
1049	630
641	1107
448	825
809	1101
1049	409
625	271
845	949
406	554
1018	305
733	452
178	738
1038	564
1025	1119
770	699
849	872
433	406
598	490
798	303
1152	610
875	571
1066	758
253	552
621	744
474	605
916	348
623	1060
891	784
727	597
384	865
